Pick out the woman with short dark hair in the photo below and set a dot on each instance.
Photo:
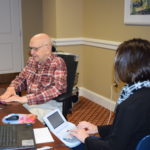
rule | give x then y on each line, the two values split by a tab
132	114
132	62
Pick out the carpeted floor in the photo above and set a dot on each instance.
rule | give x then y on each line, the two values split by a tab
87	110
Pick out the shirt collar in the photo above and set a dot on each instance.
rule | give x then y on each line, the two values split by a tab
48	60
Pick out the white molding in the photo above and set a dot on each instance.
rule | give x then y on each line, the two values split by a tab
86	41
98	99
101	43
67	41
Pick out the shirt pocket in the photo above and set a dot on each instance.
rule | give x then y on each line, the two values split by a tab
46	80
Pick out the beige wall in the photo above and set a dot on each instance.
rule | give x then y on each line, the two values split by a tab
98	70
64	19
69	18
31	22
49	17
85	18
105	20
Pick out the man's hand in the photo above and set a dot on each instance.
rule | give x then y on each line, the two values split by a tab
9	92
89	127
15	98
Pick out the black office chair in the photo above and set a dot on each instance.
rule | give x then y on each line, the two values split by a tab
69	97
144	143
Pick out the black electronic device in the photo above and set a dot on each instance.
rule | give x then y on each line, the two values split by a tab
18	136
12	117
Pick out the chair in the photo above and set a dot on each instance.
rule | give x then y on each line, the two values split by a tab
69	97
144	143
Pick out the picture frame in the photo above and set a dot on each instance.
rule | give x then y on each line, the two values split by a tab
137	12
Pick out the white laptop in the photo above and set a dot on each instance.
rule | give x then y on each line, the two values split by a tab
60	127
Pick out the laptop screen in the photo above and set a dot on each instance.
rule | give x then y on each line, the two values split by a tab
55	120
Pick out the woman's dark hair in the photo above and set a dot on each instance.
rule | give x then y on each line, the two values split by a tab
132	62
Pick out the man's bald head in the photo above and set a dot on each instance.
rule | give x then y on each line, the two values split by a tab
41	38
41	46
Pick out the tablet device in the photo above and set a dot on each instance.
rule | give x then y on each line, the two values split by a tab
60	127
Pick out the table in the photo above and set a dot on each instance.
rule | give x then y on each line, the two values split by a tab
18	108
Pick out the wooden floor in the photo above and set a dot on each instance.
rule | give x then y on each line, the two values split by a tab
87	110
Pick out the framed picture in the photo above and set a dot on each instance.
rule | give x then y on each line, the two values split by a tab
137	12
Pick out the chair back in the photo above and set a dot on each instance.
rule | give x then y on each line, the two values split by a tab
144	143
71	61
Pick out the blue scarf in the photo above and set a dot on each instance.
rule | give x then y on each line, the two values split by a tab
128	90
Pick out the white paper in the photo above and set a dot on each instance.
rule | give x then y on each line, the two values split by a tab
42	135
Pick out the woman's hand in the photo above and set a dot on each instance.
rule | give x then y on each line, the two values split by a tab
81	134
83	130
89	127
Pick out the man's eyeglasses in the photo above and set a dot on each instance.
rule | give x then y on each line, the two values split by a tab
36	48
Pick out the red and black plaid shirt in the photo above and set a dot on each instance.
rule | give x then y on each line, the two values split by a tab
42	81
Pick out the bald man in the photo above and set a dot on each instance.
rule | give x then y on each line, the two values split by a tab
44	77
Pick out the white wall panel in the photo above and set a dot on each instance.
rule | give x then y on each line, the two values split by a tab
11	52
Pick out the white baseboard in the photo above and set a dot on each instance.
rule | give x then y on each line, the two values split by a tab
98	99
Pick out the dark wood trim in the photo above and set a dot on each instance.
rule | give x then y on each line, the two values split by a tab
7	78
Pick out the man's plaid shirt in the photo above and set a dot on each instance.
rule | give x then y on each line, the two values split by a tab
43	82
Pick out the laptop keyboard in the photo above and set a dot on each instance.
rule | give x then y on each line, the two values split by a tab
8	135
67	137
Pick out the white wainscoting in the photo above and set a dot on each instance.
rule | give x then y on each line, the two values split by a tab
98	99
86	41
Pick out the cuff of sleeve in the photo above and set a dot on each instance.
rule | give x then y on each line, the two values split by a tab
87	139
29	98
104	130
12	85
91	142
